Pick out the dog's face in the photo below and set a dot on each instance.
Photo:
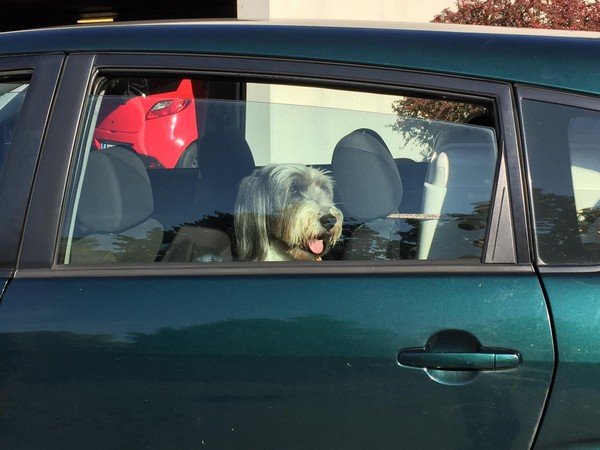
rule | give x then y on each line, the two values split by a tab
287	206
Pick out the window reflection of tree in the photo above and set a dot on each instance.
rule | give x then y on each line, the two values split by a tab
117	248
310	336
558	230
403	240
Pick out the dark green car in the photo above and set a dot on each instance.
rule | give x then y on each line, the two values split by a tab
378	238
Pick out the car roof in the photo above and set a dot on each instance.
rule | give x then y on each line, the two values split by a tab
565	60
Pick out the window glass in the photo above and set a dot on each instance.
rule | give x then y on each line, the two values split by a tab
202	170
12	94
563	150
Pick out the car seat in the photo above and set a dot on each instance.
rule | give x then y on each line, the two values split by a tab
368	189
413	175
585	172
458	188
224	159
113	214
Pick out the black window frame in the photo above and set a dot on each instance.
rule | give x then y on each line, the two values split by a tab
507	224
561	98
42	73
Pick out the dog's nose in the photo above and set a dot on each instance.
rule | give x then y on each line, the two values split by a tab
328	221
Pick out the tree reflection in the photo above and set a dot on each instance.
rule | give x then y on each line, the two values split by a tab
315	336
114	247
558	230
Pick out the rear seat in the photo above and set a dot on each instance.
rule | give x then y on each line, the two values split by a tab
224	158
585	170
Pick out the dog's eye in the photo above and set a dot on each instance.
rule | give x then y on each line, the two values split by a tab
295	190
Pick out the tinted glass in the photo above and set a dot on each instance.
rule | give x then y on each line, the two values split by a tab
200	171
563	150
12	95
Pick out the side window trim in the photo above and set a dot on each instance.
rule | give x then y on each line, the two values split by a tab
500	223
17	178
325	75
562	98
41	227
577	100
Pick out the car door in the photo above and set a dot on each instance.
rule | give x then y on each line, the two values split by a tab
26	89
350	352
565	207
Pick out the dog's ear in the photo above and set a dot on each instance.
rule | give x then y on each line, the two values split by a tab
250	220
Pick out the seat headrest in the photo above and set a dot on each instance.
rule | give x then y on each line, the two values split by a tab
466	134
224	155
368	184
116	192
224	158
463	156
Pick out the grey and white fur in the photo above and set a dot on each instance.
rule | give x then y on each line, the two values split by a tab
286	212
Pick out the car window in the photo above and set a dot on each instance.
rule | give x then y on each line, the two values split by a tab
213	170
12	94
563	150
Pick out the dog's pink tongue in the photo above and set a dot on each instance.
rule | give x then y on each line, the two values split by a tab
316	246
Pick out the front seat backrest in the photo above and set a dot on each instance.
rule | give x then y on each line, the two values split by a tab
458	188
368	189
584	147
367	182
114	211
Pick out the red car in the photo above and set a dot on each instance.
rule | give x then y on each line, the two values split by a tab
158	119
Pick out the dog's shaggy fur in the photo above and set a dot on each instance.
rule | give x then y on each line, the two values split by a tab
285	212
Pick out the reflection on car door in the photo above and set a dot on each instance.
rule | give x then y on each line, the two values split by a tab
268	362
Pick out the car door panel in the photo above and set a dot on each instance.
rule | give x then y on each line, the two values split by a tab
259	355
572	416
560	135
266	362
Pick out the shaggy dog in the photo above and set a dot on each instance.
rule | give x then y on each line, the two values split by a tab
285	212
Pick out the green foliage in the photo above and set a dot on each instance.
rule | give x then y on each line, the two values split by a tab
421	132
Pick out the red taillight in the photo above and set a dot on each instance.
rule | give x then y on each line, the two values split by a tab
167	107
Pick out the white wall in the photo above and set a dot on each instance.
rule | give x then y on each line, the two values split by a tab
388	10
304	124
271	140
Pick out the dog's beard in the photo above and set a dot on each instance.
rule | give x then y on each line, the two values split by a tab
299	229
